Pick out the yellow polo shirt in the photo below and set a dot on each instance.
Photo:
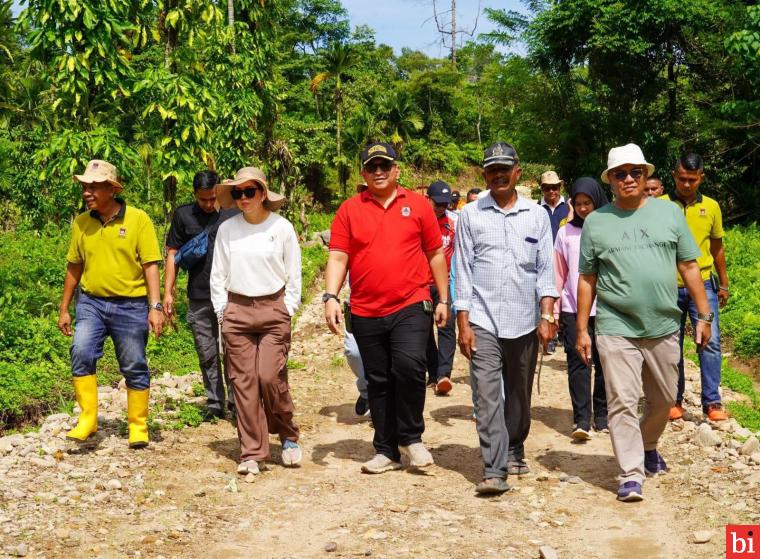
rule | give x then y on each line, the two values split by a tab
705	222
113	254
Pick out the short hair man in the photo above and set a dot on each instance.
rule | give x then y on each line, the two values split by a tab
440	357
552	200
705	222
114	256
629	250
505	297
389	228
188	221
472	194
653	187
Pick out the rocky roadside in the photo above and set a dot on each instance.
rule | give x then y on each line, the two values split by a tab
181	497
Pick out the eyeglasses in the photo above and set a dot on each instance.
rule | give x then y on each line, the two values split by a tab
549	187
249	192
636	173
373	167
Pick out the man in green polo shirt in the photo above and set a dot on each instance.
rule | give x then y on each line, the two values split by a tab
113	256
629	250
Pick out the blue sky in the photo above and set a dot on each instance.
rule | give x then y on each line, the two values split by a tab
409	23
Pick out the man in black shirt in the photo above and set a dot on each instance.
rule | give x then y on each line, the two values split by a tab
188	221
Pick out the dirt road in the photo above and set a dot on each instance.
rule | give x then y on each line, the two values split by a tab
181	497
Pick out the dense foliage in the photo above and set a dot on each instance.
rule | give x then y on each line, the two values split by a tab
164	88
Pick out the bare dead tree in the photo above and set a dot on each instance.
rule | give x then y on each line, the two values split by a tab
446	23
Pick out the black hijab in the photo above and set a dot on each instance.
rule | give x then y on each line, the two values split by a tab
592	189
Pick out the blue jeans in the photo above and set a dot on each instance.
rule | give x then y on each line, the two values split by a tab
710	357
125	319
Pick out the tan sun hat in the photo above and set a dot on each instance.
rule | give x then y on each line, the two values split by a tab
629	154
248	175
100	171
550	177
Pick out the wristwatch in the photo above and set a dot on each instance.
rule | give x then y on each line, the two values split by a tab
327	296
706	317
157	306
443	302
548	318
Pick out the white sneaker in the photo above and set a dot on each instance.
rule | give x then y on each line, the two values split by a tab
291	453
580	434
419	456
248	467
379	464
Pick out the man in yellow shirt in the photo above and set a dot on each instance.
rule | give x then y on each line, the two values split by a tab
114	256
706	225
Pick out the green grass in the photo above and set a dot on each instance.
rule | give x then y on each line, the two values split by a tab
740	319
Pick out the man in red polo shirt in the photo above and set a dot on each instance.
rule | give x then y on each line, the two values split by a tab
389	240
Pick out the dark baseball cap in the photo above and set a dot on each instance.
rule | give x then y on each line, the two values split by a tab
378	149
439	192
500	153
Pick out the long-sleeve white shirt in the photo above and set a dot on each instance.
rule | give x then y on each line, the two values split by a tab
256	260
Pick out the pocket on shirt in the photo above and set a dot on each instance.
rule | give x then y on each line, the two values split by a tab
528	254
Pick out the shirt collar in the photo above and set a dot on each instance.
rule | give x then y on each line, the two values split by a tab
366	196
561	201
119	215
488	202
674	197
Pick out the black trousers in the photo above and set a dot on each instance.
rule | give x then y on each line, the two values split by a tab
579	377
440	357
393	352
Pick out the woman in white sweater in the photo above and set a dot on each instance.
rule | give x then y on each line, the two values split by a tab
255	290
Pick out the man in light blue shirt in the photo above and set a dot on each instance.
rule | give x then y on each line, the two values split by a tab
504	299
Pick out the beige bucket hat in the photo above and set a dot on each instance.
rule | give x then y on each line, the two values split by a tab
629	154
248	175
550	177
100	171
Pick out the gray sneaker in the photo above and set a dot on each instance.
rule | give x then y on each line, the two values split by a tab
379	464
248	467
419	456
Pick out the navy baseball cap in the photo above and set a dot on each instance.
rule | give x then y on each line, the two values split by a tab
500	153
378	149
439	192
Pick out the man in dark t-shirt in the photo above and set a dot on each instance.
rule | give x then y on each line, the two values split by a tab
188	221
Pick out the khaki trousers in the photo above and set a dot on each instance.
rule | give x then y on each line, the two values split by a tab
256	334
630	364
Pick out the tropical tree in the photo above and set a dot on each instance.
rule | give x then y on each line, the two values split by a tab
337	59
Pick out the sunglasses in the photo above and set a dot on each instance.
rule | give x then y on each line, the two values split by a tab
249	192
621	174
549	187
384	165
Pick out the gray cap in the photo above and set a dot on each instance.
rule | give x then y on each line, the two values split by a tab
500	153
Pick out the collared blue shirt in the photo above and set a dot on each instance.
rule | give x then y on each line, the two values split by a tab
503	260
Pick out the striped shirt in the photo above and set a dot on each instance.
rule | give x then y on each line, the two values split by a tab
503	260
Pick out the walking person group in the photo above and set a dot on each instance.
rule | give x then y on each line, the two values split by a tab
617	280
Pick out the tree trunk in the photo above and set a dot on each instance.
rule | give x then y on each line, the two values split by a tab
231	21
454	33
672	87
339	123
170	183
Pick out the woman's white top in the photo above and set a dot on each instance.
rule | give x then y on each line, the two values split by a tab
256	260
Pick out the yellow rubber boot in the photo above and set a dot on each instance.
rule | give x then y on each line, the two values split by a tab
137	415
86	391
